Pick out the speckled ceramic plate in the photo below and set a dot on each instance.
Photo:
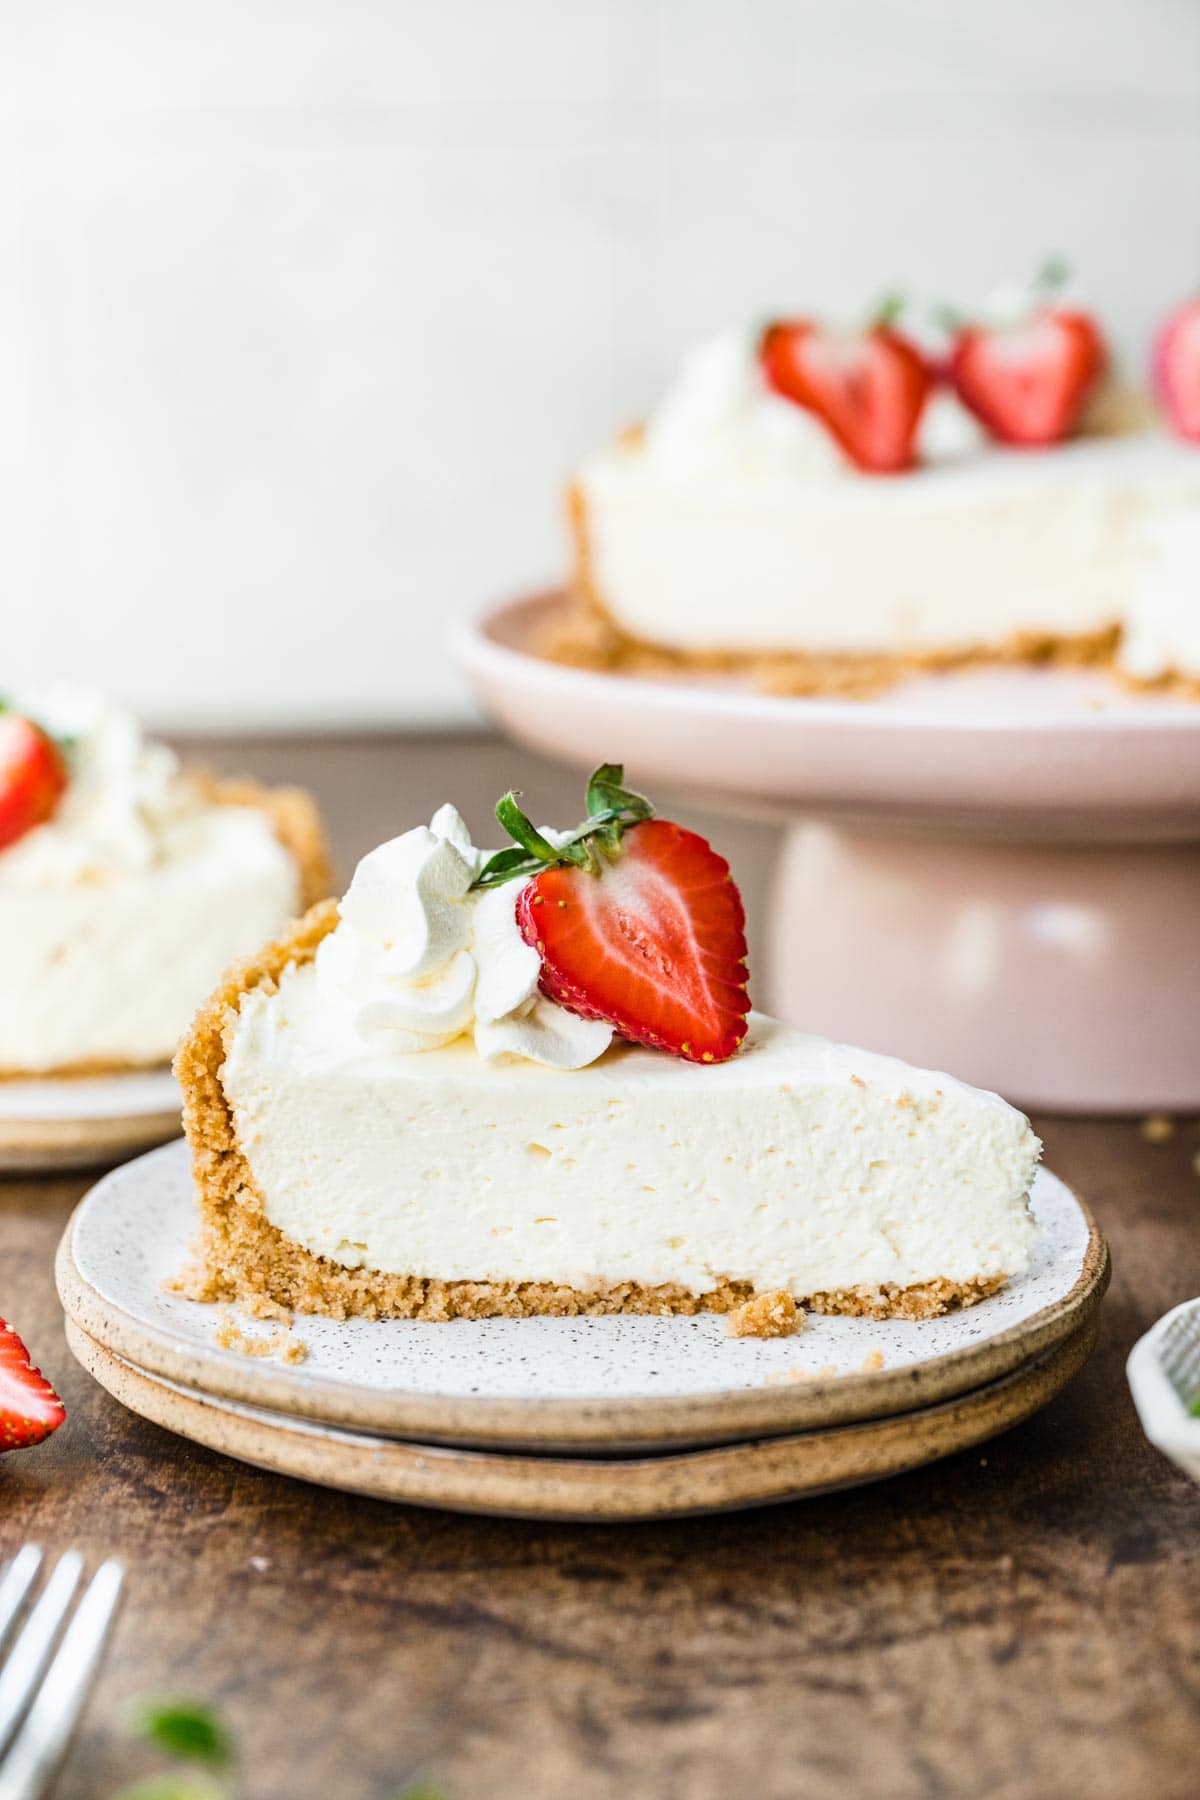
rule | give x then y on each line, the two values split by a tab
760	1472
586	1385
76	1121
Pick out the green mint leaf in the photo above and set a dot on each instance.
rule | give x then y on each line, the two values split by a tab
185	1728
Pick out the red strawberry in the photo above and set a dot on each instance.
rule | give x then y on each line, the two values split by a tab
636	920
29	1407
1175	369
869	388
1029	383
32	777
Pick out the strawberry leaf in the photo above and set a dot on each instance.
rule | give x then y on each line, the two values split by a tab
606	793
611	808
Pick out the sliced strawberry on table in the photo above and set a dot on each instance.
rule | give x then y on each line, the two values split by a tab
33	774
637	922
29	1407
1029	381
1175	369
869	388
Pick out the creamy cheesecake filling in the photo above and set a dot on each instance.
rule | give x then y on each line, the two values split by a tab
119	914
799	1164
734	525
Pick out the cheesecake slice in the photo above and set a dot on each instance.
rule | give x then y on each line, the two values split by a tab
732	533
127	885
393	1113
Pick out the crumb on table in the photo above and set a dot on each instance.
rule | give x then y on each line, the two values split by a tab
770	1315
1159	1128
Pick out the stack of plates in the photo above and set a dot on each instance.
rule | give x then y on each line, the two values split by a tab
77	1121
610	1418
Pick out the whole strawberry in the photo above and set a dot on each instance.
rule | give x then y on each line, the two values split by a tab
868	387
637	922
1175	369
33	775
29	1407
1028	382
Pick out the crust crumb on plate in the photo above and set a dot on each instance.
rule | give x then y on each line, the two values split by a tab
280	1343
770	1315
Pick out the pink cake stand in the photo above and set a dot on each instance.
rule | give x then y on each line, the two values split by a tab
995	872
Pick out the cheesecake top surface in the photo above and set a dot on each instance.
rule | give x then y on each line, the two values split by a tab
128	811
720	422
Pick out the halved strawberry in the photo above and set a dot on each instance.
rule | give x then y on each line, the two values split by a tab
29	1407
33	775
637	921
868	388
1175	369
1029	382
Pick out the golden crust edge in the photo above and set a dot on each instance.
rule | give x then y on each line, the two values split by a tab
295	819
240	1258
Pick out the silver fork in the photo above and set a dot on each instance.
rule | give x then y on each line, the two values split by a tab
46	1677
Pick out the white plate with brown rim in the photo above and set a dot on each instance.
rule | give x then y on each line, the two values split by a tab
611	1385
77	1121
759	1472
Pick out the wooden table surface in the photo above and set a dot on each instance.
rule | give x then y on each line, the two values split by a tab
1021	1621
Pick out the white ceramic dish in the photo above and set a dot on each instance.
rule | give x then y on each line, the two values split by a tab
78	1120
605	1384
1165	1421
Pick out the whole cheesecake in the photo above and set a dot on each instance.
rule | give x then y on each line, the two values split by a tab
450	1097
732	531
128	885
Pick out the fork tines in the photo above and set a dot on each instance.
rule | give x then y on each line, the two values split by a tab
49	1669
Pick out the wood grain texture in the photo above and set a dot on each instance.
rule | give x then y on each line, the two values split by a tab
1019	1621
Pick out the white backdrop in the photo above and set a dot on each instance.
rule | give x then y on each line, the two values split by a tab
308	306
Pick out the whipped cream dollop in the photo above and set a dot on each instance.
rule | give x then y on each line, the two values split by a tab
126	808
419	957
721	416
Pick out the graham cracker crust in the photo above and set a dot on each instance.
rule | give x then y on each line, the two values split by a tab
587	636
297	825
240	1258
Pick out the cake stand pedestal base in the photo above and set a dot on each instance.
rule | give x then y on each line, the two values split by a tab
1064	978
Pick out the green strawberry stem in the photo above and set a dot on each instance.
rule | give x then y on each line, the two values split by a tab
612	807
887	311
1053	275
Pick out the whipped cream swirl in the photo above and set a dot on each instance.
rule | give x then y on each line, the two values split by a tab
419	958
126	807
